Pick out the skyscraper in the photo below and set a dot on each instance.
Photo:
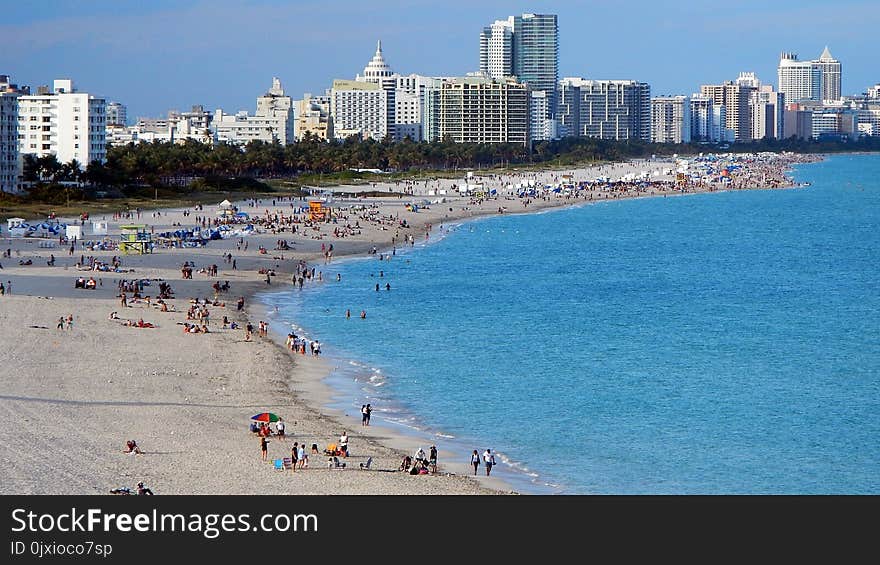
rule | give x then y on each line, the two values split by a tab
496	49
800	80
9	172
829	67
525	46
735	98
536	53
670	119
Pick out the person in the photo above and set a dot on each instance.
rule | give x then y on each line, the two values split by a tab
303	456
347	314
419	455
343	444
475	461
405	463
61	323
264	447
315	449
489	460
250	329
279	428
432	459
131	446
377	287
363	314
387	286
142	489
294	455
363	414
369	413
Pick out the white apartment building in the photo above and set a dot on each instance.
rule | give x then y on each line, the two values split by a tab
767	113
670	119
874	92
541	126
358	108
799	80
272	123
496	49
117	114
9	165
483	110
64	122
701	117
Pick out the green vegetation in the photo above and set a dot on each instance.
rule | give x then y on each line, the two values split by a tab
185	173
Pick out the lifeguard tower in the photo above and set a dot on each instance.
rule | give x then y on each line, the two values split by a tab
317	211
135	239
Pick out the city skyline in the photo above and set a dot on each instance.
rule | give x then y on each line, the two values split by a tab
221	54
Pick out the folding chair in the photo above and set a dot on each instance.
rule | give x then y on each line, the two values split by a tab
279	465
288	462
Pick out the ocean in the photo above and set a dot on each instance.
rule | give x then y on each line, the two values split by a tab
722	343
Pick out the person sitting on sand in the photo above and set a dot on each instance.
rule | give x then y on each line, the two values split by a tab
142	489
131	446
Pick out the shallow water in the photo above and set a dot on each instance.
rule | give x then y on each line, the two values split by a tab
713	343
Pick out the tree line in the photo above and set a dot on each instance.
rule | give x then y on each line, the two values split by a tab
194	165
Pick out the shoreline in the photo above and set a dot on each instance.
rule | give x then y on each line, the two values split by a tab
296	389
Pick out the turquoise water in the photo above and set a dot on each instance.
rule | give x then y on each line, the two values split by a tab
706	344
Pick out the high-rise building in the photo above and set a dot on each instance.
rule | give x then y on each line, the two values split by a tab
526	47
670	119
735	98
701	118
496	49
9	165
767	112
117	114
829	67
568	108
800	80
64	122
536	53
542	127
379	72
607	109
359	108
874	92
484	110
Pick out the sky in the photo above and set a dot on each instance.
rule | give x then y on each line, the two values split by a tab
163	54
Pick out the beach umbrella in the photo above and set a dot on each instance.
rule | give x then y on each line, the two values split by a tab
266	417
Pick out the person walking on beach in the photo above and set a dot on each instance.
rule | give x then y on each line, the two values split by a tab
249	329
303	456
264	447
294	455
475	461
61	323
363	414
489	460
369	413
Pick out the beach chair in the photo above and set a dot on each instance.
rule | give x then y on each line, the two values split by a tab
287	462
366	466
279	465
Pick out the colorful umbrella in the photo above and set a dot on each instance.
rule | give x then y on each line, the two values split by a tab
266	417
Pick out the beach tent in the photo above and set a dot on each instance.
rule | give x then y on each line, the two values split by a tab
73	231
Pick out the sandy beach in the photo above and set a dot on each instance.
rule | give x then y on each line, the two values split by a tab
71	397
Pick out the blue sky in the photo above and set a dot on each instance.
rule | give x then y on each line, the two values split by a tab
162	54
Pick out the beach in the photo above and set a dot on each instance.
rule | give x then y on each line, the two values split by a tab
72	397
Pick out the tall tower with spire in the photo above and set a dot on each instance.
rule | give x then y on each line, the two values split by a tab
830	68
377	70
